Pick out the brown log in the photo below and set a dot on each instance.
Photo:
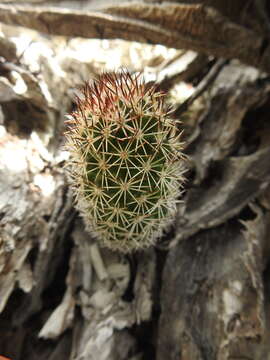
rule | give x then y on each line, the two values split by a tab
197	27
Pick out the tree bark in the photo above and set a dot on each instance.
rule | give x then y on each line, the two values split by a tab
203	292
193	26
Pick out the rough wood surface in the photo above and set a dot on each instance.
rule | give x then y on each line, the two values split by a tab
220	302
203	293
192	26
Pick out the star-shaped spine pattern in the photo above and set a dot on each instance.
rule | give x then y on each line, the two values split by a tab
126	164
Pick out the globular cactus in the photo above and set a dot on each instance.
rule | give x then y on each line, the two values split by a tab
126	161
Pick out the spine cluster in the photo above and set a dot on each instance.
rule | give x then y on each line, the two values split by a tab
126	161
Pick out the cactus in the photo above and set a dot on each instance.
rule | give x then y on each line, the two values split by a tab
126	161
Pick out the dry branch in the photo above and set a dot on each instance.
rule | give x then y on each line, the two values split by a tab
202	86
195	27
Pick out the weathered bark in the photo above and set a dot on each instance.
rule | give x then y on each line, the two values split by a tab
195	26
203	292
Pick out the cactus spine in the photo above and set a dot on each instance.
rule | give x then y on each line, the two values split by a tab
126	161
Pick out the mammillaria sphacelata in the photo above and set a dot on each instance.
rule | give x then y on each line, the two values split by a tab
126	162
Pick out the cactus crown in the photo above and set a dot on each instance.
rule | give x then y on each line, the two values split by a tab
126	165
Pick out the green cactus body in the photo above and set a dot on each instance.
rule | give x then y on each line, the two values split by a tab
126	161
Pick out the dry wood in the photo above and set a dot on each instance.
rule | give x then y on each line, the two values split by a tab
196	27
220	298
206	297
